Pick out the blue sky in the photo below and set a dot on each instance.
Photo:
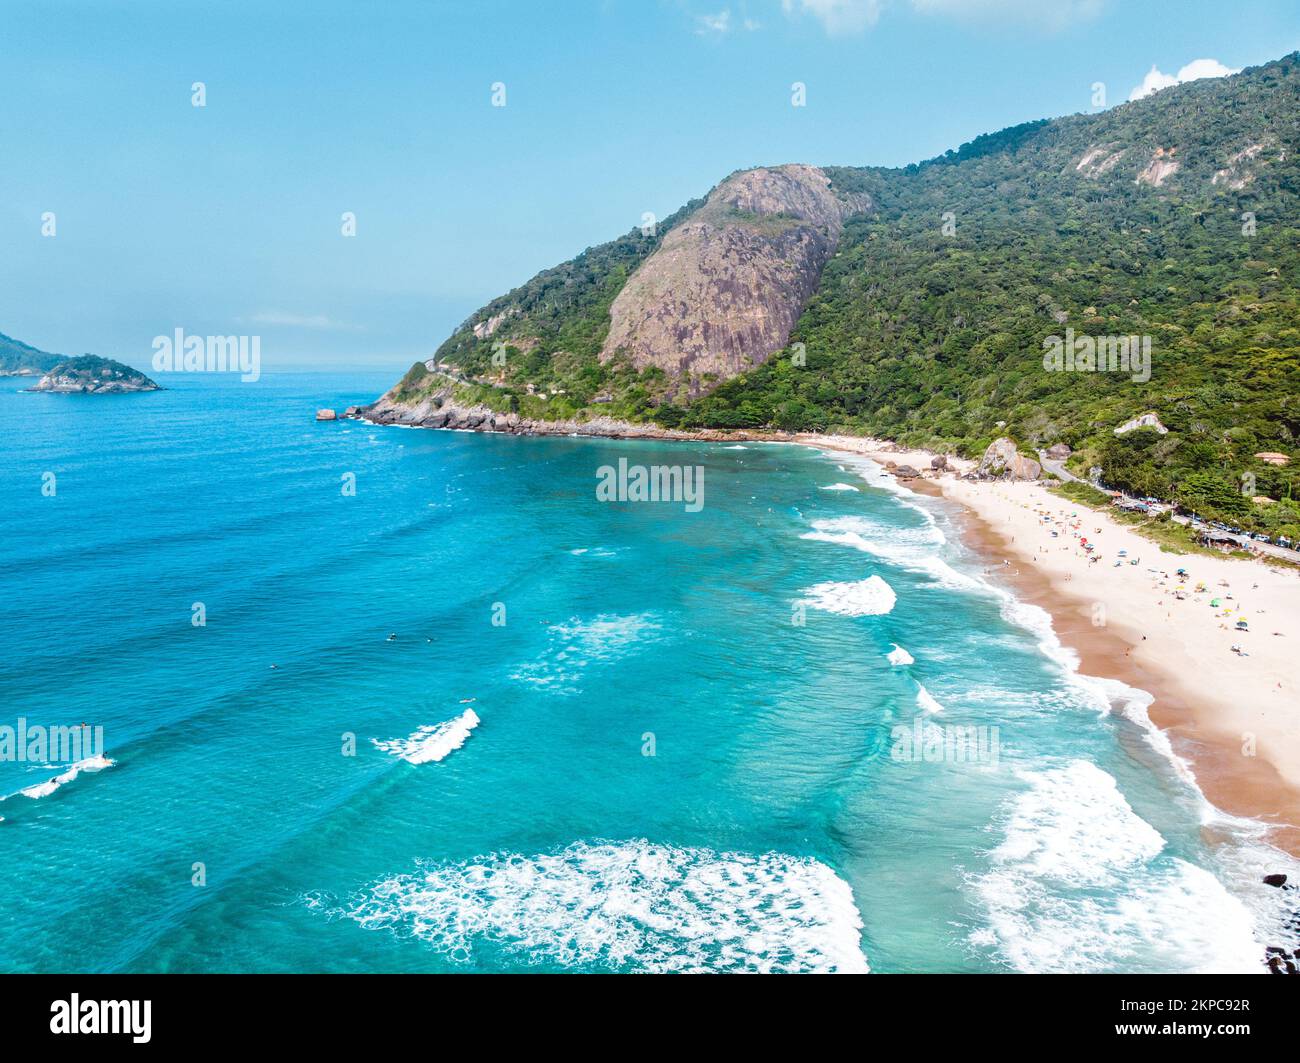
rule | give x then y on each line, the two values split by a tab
225	219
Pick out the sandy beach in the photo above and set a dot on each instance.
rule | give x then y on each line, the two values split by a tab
1233	716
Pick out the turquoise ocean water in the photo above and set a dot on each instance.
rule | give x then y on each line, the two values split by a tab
651	764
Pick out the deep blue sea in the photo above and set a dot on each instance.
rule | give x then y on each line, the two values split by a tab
470	718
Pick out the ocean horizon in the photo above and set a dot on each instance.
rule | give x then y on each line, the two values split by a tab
400	700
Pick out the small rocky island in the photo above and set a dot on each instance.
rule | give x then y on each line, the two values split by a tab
92	375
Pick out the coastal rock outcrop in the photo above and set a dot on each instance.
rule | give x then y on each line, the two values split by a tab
441	409
722	291
92	375
326	415
1002	460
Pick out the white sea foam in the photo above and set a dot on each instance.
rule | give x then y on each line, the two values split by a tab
576	644
839	487
1038	622
432	742
913	549
735	446
925	700
91	764
898	656
1081	883
627	905
1164	900
869	597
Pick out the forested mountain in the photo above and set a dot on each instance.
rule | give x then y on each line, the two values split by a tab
928	294
21	359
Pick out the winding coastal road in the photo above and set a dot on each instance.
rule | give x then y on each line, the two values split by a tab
1058	470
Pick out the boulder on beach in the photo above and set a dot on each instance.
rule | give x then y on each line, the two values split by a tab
1278	961
906	472
326	415
939	462
1003	461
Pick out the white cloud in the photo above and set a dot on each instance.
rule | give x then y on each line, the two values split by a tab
838	16
722	23
719	23
1193	71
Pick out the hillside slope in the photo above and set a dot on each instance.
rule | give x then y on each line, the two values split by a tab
21	359
922	299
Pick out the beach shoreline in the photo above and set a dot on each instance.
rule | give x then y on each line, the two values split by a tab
1233	720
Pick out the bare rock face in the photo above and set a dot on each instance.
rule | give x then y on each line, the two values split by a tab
326	415
1003	461
722	292
1162	166
1098	161
1145	420
1059	451
1240	170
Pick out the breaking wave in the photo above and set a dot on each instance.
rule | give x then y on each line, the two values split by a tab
433	742
624	906
869	597
1081	883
